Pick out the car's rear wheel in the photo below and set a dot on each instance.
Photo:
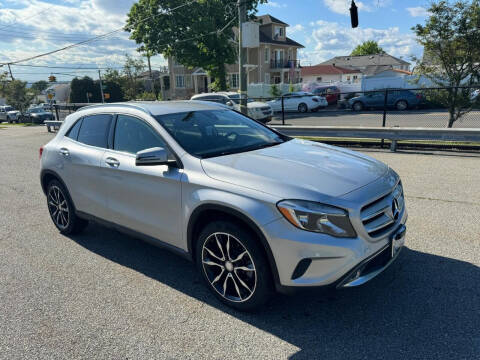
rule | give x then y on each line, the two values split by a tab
358	106
233	265
303	108
62	211
401	105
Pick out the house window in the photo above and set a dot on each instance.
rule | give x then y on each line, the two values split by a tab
234	80
267	55
179	81
355	77
319	78
279	31
188	81
348	78
290	54
267	78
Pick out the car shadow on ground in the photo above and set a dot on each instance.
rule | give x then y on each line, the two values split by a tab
423	306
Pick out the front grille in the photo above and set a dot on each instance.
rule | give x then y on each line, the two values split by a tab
266	110
381	215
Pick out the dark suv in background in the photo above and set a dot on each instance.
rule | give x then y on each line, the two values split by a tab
398	99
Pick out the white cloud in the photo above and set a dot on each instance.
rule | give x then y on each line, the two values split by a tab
275	4
418	11
295	29
342	6
65	23
331	39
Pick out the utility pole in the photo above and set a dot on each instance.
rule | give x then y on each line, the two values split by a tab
101	86
9	69
242	57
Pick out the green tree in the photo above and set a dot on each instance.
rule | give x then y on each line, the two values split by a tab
196	35
16	94
367	48
451	41
132	68
79	88
39	86
114	84
275	91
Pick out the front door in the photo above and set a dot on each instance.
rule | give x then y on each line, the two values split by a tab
146	199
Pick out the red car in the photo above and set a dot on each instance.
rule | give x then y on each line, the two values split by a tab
331	93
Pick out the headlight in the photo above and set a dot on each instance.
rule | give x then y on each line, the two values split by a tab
316	217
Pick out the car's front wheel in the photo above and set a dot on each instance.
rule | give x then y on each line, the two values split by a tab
303	108
358	106
62	211
232	263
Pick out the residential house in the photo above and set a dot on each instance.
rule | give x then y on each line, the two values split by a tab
369	64
330	73
273	61
388	79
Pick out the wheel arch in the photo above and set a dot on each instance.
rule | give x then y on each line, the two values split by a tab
207	211
48	175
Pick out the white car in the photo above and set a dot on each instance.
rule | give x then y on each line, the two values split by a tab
257	110
8	113
300	101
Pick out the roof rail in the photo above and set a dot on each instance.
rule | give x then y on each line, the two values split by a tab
123	104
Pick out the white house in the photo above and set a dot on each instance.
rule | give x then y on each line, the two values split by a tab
330	73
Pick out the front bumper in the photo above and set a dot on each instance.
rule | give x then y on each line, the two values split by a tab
306	259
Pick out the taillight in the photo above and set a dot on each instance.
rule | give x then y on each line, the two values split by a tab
40	152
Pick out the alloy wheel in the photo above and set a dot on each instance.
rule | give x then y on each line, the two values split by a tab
58	207
229	267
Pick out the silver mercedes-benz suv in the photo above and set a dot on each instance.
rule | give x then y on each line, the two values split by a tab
257	211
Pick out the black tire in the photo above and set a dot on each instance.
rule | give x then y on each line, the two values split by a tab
357	106
401	105
66	221
302	107
256	286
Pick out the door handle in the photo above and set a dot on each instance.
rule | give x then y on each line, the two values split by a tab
112	162
64	152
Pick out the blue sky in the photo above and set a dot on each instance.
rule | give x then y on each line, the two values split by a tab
29	27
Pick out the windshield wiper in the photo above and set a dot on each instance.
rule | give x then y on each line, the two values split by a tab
240	150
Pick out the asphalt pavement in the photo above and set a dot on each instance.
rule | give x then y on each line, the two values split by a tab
104	295
409	118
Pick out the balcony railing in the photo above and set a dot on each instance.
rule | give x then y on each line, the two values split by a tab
284	64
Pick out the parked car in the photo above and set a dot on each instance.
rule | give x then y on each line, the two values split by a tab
300	101
37	115
256	210
256	110
343	103
46	106
331	93
8	113
398	99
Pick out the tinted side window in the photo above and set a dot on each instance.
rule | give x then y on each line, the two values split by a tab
133	135
73	132
94	130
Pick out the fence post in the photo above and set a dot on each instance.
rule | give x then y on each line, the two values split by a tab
283	112
384	120
56	112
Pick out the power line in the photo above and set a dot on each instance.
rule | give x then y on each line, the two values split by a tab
68	67
91	39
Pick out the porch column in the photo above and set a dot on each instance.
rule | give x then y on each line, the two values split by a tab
209	80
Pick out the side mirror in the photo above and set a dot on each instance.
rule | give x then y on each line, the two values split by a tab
229	103
153	156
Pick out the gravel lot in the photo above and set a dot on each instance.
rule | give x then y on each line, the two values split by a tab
106	295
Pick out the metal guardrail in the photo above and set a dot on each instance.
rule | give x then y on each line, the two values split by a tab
394	133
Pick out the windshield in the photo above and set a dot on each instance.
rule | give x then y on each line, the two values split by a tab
36	110
210	133
8	108
235	98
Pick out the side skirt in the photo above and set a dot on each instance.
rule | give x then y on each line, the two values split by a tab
151	240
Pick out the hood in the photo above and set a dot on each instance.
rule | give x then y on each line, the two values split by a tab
13	112
256	104
297	169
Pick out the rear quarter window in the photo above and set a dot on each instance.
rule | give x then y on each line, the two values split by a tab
74	130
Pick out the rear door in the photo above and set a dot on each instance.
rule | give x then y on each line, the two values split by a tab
146	199
81	152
